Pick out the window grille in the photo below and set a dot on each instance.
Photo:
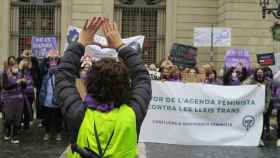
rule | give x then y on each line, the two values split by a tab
33	18
139	17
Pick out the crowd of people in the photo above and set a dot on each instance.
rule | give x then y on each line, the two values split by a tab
229	76
28	85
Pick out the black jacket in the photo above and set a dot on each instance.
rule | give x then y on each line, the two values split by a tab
72	105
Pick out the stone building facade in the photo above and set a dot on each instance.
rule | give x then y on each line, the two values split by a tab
164	23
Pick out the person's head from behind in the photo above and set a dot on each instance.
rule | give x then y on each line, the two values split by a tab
108	81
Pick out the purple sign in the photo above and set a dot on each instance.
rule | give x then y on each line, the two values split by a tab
42	45
237	56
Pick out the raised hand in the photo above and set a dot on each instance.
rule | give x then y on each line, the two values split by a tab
90	28
112	35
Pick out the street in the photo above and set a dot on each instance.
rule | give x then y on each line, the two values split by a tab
32	146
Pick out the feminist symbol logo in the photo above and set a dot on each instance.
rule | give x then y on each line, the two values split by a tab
248	122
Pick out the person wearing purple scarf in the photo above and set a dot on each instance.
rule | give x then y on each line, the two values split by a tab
13	102
118	95
28	91
52	115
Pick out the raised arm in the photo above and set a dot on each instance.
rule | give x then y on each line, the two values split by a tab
141	84
65	89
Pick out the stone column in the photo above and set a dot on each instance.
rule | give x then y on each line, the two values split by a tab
4	31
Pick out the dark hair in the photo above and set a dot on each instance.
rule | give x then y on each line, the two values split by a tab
256	71
212	72
243	74
108	81
195	69
227	76
268	69
10	58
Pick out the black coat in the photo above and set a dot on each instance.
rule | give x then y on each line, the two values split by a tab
72	105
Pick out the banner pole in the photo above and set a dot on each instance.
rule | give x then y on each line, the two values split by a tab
212	45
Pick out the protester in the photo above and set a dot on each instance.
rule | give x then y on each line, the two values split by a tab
175	74
211	78
108	116
268	74
241	71
112	95
52	113
232	77
202	70
13	101
165	69
32	68
86	63
259	78
276	103
11	60
192	75
184	75
25	68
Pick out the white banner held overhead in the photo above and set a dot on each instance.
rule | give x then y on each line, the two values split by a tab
200	114
96	51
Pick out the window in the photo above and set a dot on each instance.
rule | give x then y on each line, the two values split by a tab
143	17
33	18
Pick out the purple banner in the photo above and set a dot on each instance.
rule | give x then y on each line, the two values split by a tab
235	56
42	45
